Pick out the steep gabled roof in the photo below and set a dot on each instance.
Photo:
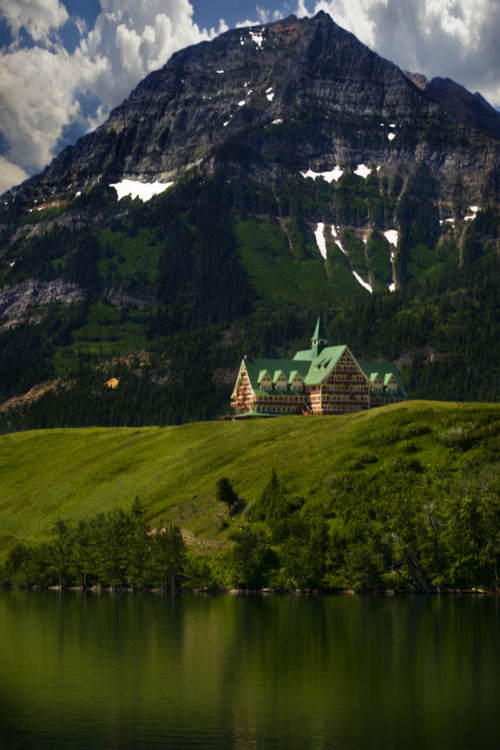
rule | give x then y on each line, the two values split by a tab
274	367
385	370
277	374
322	365
238	379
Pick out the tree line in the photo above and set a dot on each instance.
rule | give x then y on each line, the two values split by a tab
395	526
425	536
112	549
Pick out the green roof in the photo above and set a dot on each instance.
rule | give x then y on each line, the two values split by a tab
273	366
322	365
313	370
325	355
319	332
257	367
249	414
385	370
304	355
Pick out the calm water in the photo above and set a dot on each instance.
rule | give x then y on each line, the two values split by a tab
221	671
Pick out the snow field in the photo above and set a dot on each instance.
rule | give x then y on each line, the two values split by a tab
143	190
333	176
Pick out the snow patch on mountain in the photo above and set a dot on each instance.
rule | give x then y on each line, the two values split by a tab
363	283
392	287
257	37
473	212
362	170
320	239
335	235
143	190
332	176
392	236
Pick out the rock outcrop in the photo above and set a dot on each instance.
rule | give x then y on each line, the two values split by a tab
15	301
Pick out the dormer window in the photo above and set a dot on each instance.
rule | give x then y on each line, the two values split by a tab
391	384
281	382
265	381
296	383
377	384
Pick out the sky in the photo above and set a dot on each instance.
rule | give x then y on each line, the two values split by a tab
64	64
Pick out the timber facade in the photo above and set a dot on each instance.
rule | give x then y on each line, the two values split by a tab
320	380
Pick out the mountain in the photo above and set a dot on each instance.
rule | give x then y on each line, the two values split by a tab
331	100
294	173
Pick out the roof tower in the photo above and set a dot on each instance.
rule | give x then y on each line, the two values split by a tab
318	339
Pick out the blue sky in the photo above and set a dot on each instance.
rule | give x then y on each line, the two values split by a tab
64	64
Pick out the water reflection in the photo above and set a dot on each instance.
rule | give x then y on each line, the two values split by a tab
149	671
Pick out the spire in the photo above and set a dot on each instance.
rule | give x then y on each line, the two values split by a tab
318	339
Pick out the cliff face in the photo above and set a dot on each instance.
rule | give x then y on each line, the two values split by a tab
329	98
16	300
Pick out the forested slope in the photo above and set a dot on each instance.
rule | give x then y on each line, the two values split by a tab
174	292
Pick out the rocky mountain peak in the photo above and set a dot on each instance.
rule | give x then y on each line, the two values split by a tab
191	112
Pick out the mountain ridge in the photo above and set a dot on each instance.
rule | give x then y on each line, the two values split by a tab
179	116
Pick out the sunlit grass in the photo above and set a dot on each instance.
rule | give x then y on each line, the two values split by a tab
75	473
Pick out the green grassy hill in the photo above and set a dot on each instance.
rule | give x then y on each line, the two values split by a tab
416	449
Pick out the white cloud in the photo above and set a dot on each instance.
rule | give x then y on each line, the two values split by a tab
266	16
10	174
247	22
38	17
448	38
302	10
40	86
36	102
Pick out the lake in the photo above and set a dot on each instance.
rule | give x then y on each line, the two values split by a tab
89	670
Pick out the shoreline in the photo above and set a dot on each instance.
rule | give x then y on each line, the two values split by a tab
251	592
